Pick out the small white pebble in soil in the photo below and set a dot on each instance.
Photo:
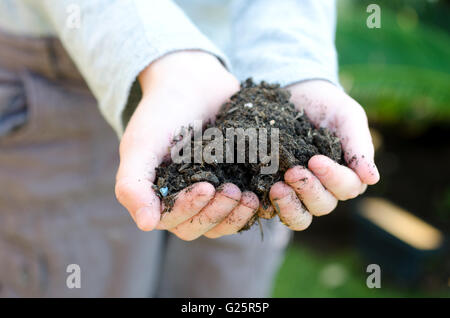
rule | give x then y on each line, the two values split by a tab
248	105
272	122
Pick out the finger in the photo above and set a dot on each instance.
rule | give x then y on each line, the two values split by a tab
137	196
339	180
134	184
188	203
363	188
289	207
238	218
225	200
357	144
346	118
313	195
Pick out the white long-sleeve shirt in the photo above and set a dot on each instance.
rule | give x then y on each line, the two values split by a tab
112	41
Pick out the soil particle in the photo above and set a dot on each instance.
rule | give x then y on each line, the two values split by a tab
254	106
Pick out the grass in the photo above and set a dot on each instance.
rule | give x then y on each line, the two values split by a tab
400	72
340	274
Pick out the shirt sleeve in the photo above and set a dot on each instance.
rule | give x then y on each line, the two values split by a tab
284	41
116	39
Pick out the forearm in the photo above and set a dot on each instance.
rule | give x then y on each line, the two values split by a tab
117	40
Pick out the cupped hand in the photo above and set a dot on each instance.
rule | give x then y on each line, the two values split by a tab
178	89
315	190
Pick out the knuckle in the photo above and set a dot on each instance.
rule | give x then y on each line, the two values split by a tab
123	190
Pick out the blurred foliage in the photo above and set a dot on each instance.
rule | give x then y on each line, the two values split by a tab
400	72
432	12
339	274
443	204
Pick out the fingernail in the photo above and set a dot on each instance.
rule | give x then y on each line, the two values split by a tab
230	191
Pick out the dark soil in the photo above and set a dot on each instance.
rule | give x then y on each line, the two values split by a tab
254	106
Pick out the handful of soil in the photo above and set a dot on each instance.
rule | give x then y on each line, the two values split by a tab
254	106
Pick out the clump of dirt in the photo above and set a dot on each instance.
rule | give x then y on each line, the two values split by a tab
254	106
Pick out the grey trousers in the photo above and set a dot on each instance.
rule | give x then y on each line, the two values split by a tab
57	204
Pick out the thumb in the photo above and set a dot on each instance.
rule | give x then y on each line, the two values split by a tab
353	130
133	188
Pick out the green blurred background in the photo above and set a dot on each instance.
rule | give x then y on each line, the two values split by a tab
400	73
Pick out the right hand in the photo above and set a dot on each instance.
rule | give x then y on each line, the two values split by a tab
178	89
316	189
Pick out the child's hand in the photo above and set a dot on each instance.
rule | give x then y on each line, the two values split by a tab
178	89
316	190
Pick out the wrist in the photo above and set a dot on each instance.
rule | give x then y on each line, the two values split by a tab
180	68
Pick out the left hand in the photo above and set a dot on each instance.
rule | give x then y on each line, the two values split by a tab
178	89
316	189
